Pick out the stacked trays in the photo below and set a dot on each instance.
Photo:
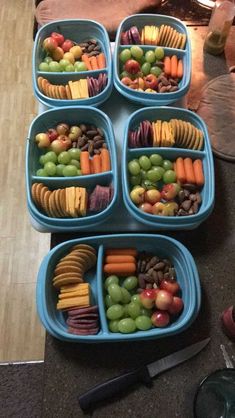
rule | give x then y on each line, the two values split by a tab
184	54
207	191
186	272
77	31
71	116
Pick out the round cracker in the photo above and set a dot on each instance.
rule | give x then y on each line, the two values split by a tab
45	84
57	202
196	138
164	34
66	280
62	92
34	194
168	35
45	203
84	247
66	269
160	34
68	92
38	190
183	41
40	83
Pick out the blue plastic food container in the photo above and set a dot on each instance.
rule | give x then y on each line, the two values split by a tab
78	30
208	190
151	99
72	116
186	273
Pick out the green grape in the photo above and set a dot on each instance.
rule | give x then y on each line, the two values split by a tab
54	67
125	55
41	172
74	153
143	323
124	74
63	63
42	160
111	280
79	173
130	282
143	174
76	163
50	168
159	53
59	170
135	180
145	162
146	67
137	52
50	156
113	326
134	168
115	312
64	157
69	68
126	326
70	171
145	312
169	176
159	170
44	66
47	59
156	159
135	298
154	175
134	309
126	297
150	57
109	301
125	313
148	185
115	292
80	66
156	71
167	165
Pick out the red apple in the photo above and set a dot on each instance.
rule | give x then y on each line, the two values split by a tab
151	81
52	133
57	54
171	286
159	209
147	298
66	45
42	140
160	319
127	81
62	129
163	300
152	196
49	44
169	191
67	141
58	37
75	132
176	306
146	207
58	146
137	195
132	66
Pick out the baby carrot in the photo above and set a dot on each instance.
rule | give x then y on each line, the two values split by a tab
120	269
198	172
85	162
121	251
174	66
180	172
92	170
101	60
105	160
86	60
180	69
94	63
167	65
96	164
119	259
189	171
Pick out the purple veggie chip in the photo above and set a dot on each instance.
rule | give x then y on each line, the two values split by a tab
88	309
82	326
135	35
129	37
93	331
124	38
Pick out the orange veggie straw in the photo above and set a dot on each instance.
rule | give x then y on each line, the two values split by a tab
121	251
167	65
180	171
94	63
198	172
96	164
110	259
85	162
86	60
174	66
105	160
180	69
189	171
101	60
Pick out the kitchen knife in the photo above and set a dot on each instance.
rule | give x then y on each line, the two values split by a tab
143	374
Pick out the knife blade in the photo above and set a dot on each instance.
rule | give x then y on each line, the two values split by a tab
143	374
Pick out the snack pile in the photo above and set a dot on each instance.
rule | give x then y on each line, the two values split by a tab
71	202
163	35
141	290
74	296
164	187
160	133
73	151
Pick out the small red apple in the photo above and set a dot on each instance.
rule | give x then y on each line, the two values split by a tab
49	44
58	37
52	133
137	195
146	207
66	45
58	146
67	141
169	191
62	129
159	209
152	196
151	81
147	298
132	66
176	306
127	81
42	140
163	300
171	286
160	319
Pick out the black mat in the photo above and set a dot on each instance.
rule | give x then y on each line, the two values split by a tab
21	390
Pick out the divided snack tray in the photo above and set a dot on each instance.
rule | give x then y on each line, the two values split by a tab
78	30
72	116
151	99
171	153
186	272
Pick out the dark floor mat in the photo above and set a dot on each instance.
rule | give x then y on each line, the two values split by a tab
21	390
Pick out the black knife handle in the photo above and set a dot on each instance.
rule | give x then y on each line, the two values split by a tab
114	386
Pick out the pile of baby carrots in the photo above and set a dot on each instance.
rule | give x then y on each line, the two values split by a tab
94	63
189	171
173	67
120	261
98	164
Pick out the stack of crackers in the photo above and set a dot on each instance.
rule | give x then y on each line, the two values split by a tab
163	135
71	91
61	203
163	36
